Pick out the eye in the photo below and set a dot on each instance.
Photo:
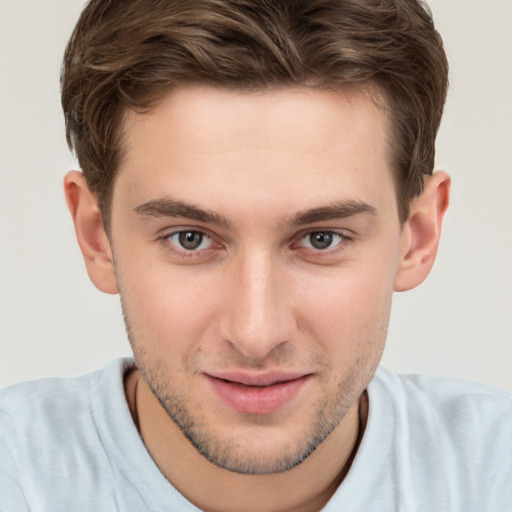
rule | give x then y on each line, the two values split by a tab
189	240
321	240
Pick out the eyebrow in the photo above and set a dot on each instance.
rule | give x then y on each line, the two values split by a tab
335	210
168	207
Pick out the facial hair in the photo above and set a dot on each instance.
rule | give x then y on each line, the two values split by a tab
226	451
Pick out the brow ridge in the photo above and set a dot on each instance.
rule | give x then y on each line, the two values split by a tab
335	210
168	207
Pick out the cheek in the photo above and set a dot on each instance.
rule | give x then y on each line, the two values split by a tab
349	309
166	311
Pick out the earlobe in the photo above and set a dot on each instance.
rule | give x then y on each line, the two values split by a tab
421	232
90	232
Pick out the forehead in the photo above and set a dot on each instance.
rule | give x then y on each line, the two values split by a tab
213	144
298	119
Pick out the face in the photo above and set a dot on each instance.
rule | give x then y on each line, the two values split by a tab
256	239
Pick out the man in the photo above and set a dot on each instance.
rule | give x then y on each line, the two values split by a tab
257	181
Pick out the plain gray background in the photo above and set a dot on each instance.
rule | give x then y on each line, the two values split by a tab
459	322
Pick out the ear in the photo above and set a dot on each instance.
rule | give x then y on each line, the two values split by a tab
90	233
421	232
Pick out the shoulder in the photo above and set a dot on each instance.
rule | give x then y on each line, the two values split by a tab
46	397
446	407
57	403
53	399
454	434
50	436
35	415
450	398
45	409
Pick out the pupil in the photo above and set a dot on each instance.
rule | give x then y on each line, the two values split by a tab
320	240
190	239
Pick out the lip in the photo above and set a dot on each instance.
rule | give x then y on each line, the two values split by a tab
262	393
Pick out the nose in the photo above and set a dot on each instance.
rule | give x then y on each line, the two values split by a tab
257	316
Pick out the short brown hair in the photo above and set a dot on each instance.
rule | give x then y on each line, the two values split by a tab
127	54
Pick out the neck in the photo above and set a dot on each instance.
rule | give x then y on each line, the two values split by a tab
305	488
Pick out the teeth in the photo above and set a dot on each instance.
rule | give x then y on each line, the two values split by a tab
242	384
251	385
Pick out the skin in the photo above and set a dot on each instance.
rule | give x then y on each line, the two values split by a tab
258	176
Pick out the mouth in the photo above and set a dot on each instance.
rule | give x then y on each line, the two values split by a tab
257	394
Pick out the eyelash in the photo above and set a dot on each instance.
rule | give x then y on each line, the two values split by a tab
344	241
324	233
183	252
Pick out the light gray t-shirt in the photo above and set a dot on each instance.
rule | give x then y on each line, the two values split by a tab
431	444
